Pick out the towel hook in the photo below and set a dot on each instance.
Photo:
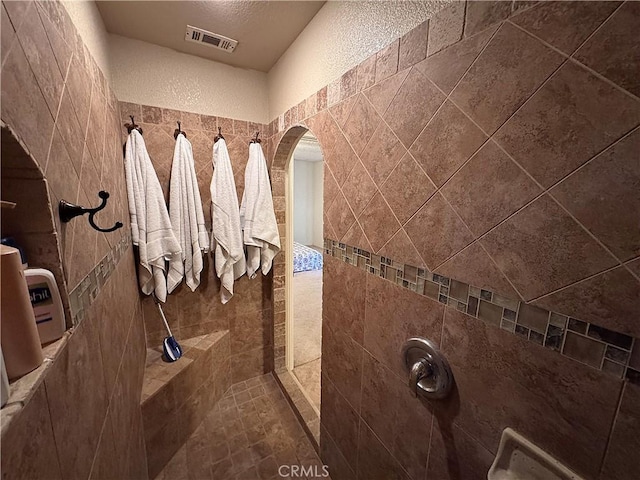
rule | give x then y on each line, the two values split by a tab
67	211
132	126
256	139
219	136
179	131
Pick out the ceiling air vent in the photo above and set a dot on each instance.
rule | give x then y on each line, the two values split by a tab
197	35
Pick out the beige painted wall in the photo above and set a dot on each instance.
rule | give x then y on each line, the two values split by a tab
152	75
88	22
341	35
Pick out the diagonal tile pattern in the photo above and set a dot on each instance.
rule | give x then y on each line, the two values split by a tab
249	434
501	80
413	106
509	166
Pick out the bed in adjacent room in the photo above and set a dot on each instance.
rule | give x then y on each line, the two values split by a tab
305	259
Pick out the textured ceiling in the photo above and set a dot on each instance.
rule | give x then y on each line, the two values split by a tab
264	29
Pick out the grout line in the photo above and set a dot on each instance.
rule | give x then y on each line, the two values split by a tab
553	292
613	426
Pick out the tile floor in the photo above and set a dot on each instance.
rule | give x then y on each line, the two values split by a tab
248	435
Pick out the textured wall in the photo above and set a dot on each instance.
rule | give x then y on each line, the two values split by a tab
140	75
505	159
341	35
248	315
84	420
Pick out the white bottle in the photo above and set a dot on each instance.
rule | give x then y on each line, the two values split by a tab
46	303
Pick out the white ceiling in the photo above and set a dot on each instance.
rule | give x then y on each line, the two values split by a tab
264	29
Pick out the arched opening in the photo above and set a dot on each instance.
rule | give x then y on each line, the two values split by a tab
302	384
305	325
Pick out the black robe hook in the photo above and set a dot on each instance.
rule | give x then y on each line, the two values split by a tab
179	131
67	211
219	136
132	126
256	139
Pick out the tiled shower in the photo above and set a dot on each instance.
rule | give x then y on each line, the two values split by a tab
482	179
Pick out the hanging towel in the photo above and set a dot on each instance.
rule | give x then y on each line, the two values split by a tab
150	224
187	218
226	235
258	220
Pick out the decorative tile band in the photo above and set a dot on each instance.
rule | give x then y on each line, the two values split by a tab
89	287
612	352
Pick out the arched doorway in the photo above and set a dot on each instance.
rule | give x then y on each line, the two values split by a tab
283	178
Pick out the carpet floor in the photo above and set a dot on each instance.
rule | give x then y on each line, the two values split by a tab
307	316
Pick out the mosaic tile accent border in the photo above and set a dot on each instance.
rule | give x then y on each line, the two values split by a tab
89	287
612	352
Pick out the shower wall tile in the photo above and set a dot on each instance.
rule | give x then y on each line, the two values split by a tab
382	153
621	460
413	46
446	143
27	113
394	314
395	416
342	362
480	15
437	231
64	387
572	118
416	102
344	309
366	76
506	80
595	194
348	88
381	94
565	25
611	299
340	215
8	34
362	122
340	421
524	64
29	448
36	46
375	459
331	454
378	222
612	50
566	399
387	61
535	249
446	26
406	189
505	189
359	188
447	67
454	454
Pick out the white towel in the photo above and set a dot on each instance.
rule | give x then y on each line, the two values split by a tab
150	224
257	217
187	218
226	235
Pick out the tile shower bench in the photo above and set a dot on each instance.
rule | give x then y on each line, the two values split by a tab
177	396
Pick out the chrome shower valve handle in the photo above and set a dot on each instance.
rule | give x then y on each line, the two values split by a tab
421	369
429	372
